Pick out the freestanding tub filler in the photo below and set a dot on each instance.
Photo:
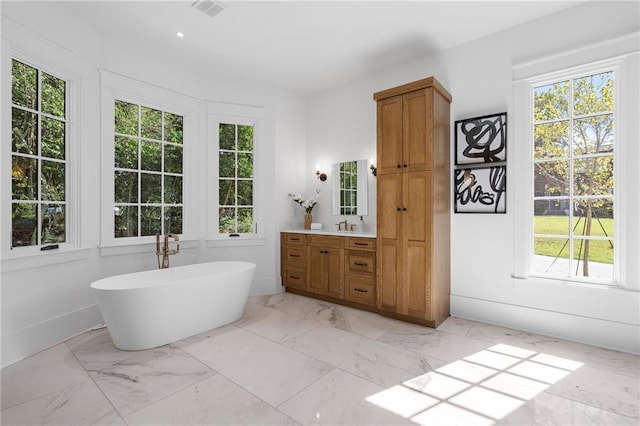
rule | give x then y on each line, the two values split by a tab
147	309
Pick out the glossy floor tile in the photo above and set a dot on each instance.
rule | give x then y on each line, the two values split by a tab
292	360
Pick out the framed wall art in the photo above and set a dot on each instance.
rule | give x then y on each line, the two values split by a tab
480	190
481	140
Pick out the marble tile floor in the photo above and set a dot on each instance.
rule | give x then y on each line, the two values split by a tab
292	360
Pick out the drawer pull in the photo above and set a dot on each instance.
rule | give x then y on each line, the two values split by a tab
360	290
360	264
360	244
294	239
293	277
294	255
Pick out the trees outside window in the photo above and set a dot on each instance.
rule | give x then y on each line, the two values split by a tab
148	171
235	179
573	194
348	187
38	157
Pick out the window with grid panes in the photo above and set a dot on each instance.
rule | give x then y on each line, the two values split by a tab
235	179
348	187
38	157
573	194
148	171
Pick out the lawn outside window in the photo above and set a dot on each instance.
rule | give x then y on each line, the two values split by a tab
571	192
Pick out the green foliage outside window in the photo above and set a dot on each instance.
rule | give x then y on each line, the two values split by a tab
38	160
573	170
348	187
235	182
148	176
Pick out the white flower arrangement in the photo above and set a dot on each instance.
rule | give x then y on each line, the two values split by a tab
307	203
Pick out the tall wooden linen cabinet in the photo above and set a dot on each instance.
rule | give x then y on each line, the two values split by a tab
413	208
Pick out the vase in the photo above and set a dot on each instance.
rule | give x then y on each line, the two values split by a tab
307	220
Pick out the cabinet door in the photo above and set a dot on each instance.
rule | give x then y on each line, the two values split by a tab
389	244
316	281
333	270
416	233
417	130
389	133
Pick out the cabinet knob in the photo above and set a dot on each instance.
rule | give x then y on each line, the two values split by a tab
404	209
399	166
404	165
398	209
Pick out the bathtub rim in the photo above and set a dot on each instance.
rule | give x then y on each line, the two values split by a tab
98	285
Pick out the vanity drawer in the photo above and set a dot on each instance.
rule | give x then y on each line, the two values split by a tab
295	277
295	256
360	289
361	262
361	243
326	241
294	239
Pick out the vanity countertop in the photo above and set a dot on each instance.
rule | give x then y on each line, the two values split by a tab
338	233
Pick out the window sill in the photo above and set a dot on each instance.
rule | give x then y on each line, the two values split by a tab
37	259
241	241
567	282
143	247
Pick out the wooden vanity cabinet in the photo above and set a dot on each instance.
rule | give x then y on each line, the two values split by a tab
326	265
293	256
335	268
360	272
413	277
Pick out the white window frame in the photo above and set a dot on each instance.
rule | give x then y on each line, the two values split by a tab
523	199
223	113
29	256
117	87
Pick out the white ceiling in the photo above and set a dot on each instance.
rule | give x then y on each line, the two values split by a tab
304	46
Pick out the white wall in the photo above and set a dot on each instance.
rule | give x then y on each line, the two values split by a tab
479	75
47	300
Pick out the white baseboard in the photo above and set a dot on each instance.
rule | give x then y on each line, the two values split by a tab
19	344
607	334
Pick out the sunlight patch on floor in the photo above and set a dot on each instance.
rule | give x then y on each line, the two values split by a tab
479	389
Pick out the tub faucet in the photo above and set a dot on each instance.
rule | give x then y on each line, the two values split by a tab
164	251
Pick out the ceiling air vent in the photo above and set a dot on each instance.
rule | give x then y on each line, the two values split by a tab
208	7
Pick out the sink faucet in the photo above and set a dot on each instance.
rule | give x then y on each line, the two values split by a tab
165	251
346	225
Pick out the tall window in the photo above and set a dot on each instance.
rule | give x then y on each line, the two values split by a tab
38	158
235	179
148	180
573	208
348	187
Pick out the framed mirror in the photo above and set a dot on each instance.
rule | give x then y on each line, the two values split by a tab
349	180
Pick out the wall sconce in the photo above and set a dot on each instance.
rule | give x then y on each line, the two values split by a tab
373	168
320	175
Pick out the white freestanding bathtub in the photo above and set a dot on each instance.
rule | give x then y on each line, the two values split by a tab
147	309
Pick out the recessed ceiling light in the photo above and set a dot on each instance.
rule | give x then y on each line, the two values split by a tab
179	34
